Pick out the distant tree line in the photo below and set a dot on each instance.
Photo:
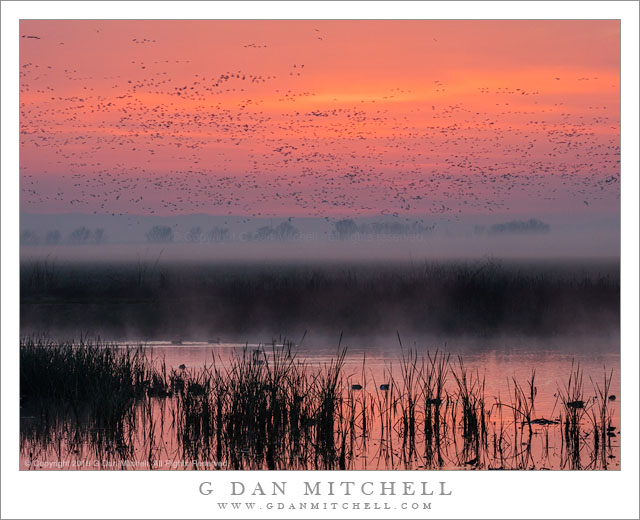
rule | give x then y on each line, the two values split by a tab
283	231
164	234
215	234
160	234
348	228
531	226
79	236
196	235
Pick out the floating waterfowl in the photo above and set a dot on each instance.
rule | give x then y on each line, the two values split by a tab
384	387
356	387
544	421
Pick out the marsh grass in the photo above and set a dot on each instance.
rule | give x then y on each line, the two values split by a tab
39	276
264	408
100	378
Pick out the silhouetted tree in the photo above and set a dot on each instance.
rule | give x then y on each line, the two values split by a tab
29	238
160	234
518	226
218	234
99	236
346	228
283	231
52	237
195	234
79	236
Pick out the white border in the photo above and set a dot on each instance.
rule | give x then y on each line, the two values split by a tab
174	495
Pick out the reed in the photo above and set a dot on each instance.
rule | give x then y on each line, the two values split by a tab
328	396
471	398
574	407
434	378
408	392
600	415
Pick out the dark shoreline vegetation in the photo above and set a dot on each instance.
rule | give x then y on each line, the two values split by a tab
267	409
198	300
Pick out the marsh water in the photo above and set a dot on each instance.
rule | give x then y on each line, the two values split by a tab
372	424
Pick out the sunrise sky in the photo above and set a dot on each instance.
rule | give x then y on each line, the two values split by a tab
316	118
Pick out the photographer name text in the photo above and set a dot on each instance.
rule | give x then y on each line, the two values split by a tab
328	488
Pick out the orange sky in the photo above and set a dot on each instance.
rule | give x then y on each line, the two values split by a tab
320	117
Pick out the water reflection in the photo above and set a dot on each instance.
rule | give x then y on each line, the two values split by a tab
284	407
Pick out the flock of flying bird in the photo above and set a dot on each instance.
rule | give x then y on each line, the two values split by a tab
239	142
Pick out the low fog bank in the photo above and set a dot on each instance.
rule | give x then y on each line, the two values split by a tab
242	301
210	238
197	278
603	245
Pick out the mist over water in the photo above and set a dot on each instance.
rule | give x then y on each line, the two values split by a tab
368	301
